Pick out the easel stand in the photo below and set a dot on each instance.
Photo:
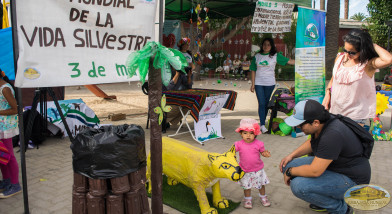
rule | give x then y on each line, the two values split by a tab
40	94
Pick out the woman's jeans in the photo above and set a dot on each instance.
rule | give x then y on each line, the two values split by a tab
326	191
263	94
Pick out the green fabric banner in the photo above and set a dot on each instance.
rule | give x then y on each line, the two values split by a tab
310	55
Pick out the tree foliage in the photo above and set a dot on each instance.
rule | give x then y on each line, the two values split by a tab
358	17
380	11
290	38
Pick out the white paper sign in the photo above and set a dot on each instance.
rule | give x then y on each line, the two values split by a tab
272	17
208	127
79	42
213	104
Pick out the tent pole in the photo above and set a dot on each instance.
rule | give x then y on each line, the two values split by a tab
20	109
161	12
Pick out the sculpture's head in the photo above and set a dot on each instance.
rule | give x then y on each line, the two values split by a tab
226	165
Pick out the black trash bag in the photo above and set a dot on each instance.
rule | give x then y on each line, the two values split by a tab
109	152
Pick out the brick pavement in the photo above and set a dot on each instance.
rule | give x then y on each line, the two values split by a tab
52	162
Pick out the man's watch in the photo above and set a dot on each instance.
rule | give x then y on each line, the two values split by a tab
288	172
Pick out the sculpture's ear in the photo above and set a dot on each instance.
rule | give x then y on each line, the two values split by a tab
211	158
232	149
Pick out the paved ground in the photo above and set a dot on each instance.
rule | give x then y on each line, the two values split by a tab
49	169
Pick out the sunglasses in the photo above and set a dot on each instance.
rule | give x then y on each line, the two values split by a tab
352	53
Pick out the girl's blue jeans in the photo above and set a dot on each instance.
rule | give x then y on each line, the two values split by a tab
326	191
263	94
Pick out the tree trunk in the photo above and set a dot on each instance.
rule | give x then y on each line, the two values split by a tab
154	100
346	3
332	32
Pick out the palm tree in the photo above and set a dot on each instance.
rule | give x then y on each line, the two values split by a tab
358	17
331	37
346	3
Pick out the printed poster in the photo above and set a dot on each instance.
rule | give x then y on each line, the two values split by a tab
213	104
76	42
272	17
310	55
77	114
208	127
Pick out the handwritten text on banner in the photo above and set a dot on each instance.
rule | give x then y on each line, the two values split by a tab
272	17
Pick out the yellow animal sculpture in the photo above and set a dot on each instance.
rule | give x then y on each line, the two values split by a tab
198	169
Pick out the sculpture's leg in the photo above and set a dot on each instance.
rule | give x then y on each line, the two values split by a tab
171	181
148	174
201	196
217	198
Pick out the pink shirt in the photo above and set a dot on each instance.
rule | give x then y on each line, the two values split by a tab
353	92
250	160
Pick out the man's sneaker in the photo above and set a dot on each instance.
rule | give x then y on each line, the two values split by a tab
248	203
4	183
11	190
317	208
263	129
265	202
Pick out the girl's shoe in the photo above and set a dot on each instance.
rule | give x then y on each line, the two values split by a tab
265	202
11	190
4	183
248	203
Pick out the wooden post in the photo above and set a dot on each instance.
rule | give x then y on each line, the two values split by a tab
154	100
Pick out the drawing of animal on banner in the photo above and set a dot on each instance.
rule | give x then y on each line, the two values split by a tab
208	127
213	104
77	114
198	169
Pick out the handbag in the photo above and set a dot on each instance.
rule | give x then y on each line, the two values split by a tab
4	154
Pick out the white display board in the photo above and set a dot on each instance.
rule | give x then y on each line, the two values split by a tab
80	42
272	17
213	104
208	127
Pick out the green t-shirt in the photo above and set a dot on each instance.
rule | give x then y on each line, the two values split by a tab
280	59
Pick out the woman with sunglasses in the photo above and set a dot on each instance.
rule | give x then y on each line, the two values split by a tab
351	91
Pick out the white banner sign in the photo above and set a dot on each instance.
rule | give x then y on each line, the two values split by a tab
80	42
272	17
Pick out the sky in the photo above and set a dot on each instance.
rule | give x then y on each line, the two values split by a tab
355	6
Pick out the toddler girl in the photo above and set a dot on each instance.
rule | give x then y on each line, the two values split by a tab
249	149
9	186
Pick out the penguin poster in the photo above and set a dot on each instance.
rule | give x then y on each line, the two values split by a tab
208	127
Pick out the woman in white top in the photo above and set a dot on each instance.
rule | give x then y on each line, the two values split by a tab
353	91
263	76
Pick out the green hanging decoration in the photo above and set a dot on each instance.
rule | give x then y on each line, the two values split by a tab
164	57
163	108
